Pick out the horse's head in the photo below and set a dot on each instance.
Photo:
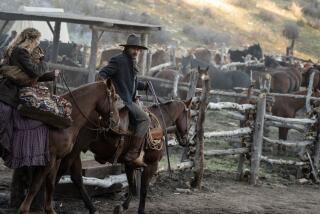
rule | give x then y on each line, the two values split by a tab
183	124
255	50
107	107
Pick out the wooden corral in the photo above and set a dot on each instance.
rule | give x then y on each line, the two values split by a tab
253	118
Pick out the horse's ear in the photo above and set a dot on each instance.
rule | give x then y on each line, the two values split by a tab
188	102
207	69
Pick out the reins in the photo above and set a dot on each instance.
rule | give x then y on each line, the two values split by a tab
80	110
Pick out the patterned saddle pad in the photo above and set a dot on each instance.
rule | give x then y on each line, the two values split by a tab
37	103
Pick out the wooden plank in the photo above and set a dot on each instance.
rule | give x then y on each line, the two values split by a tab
56	39
296	96
199	138
91	168
303	121
299	128
230	105
161	66
222	152
233	133
162	80
282	162
93	55
67	68
228	94
287	142
256	147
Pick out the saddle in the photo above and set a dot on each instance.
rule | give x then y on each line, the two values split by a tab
155	131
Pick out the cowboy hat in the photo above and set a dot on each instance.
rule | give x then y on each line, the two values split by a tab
134	41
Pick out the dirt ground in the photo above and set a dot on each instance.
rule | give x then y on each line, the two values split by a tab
277	192
221	193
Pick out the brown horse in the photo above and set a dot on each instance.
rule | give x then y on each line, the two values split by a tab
288	107
286	78
100	97
104	146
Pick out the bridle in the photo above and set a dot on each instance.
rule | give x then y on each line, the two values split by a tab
94	124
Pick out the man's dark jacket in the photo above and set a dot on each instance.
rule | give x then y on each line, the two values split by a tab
123	73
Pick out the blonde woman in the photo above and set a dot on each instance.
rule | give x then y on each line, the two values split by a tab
24	142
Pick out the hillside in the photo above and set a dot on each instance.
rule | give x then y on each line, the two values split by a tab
191	23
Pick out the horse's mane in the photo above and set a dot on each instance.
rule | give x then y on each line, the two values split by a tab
80	89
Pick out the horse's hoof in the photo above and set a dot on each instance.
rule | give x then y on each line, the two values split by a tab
50	211
118	210
22	212
92	211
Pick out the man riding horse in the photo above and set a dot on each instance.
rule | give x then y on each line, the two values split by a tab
122	69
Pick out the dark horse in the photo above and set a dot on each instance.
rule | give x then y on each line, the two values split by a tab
96	97
104	146
254	50
218	79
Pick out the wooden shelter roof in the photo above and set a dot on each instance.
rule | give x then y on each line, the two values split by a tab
99	22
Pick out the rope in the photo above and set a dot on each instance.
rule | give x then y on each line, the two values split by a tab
165	128
154	144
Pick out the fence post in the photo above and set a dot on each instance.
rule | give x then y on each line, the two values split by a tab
149	62
316	157
175	86
256	147
193	84
199	156
309	94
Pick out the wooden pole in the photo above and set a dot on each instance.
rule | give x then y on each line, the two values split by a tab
316	156
173	56
257	138
56	38
149	62
309	94
193	84
143	54
175	86
199	138
93	55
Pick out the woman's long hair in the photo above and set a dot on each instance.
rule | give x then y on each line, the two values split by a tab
26	40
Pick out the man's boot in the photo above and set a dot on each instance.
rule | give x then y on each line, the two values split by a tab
133	155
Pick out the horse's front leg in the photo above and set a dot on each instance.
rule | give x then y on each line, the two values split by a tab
147	174
50	186
38	177
76	177
129	172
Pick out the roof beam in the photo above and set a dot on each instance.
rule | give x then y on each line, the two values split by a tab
4	26
50	26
